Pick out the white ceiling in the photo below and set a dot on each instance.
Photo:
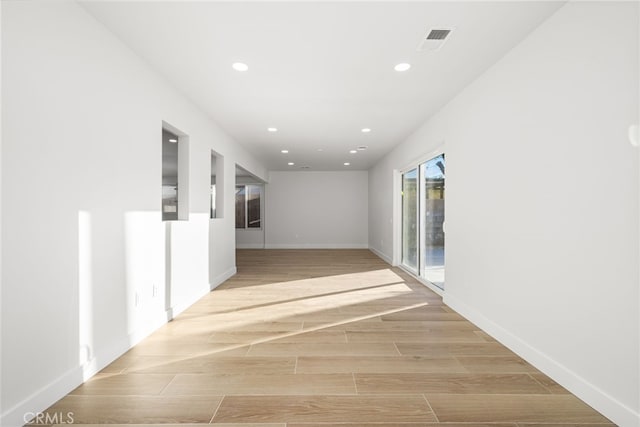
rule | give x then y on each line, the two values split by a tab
319	71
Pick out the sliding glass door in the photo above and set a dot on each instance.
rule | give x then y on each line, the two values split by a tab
410	220
432	221
423	190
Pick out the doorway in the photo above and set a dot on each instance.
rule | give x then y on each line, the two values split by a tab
423	220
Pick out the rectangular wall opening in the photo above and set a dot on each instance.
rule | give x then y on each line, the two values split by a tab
217	186
175	174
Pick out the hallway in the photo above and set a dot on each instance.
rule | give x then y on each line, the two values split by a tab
303	337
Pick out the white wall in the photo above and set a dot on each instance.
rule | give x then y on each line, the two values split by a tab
542	202
317	209
82	230
250	238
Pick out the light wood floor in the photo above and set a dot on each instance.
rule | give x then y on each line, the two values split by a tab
322	338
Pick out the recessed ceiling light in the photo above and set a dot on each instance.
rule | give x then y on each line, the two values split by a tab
173	140
403	66
320	149
362	147
365	130
284	151
291	163
240	66
272	129
353	151
346	163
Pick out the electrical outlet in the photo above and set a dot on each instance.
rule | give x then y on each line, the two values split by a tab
154	292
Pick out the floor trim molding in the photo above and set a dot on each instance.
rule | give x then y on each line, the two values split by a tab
616	411
316	246
49	394
42	399
221	278
249	245
380	255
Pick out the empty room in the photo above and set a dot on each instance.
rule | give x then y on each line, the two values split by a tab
320	213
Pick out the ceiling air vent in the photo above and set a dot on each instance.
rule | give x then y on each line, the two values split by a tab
434	39
438	34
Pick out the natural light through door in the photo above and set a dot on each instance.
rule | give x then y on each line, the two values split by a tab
432	221
410	220
423	224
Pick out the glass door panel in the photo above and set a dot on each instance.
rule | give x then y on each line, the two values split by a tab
432	176
240	207
410	220
253	206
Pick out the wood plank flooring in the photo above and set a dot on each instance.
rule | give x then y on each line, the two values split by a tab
329	338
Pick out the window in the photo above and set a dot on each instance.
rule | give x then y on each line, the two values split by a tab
216	209
248	206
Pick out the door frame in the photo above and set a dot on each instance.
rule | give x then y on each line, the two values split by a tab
397	214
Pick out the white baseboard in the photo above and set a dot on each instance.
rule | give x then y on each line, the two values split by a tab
48	395
221	278
153	323
176	309
316	246
249	245
616	411
384	257
214	283
41	399
103	357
